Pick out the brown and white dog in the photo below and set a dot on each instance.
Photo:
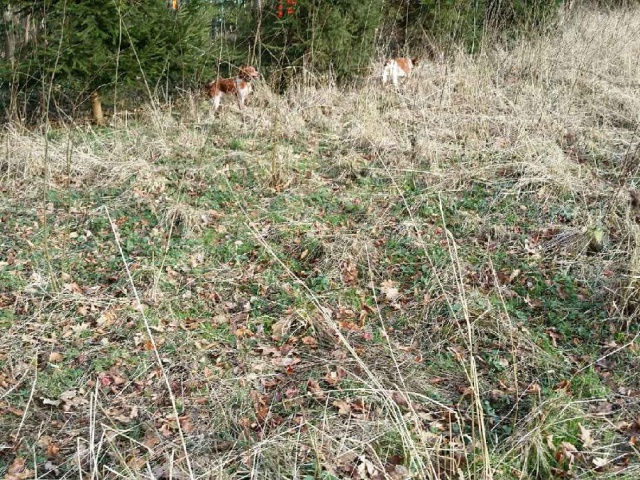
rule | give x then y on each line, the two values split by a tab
239	86
398	67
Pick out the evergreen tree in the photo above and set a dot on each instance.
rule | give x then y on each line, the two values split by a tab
86	46
233	28
416	24
321	35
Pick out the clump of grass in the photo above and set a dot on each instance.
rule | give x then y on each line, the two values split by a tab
182	218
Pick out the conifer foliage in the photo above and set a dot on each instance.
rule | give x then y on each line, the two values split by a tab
336	36
76	48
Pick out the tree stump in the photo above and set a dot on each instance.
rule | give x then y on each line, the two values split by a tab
96	109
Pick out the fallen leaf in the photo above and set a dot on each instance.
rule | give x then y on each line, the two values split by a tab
534	388
134	412
48	401
16	411
310	341
117	379
400	399
599	462
389	290
285	361
349	272
291	392
331	378
514	275
18	470
53	449
339	354
262	414
187	424
348	326
68	395
601	408
313	387
359	406
55	357
343	407
398	472
118	414
280	328
567	451
151	439
168	470
585	437
107	318
550	442
44	441
366	469
73	287
77	328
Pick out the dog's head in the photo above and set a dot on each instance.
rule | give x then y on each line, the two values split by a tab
248	73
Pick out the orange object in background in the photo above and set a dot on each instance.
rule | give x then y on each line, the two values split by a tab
280	8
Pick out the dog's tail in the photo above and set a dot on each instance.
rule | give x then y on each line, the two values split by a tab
209	88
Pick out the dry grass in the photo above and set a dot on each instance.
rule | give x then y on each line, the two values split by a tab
374	374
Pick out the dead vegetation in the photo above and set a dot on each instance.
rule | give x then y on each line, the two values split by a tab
435	282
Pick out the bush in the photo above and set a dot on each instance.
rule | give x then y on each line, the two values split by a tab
336	36
79	47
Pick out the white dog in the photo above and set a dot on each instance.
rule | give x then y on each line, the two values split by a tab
398	67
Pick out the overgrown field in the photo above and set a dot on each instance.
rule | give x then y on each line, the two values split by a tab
437	282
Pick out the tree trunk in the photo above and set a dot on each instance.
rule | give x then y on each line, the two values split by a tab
96	109
10	38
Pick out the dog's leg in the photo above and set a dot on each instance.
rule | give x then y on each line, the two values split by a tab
216	102
241	96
